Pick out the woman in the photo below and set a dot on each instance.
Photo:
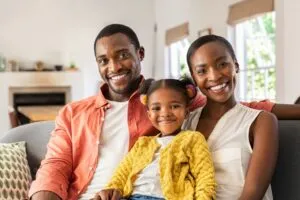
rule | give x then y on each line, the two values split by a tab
243	141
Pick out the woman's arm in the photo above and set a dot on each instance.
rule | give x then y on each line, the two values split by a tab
263	160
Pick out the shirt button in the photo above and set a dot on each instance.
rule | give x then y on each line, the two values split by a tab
98	142
78	192
90	168
102	118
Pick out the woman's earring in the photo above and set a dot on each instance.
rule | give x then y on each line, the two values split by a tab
237	68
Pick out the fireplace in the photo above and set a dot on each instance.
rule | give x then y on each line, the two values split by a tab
25	97
70	83
34	99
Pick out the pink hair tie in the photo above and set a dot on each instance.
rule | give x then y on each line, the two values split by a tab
191	91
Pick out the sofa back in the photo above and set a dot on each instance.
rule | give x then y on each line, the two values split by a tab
286	180
36	135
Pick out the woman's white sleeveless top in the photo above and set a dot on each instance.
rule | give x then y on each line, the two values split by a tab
230	148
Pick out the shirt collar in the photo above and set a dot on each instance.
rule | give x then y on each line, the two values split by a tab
101	101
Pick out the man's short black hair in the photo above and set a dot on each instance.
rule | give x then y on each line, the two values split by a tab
118	28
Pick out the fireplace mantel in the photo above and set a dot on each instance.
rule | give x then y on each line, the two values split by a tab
40	78
47	80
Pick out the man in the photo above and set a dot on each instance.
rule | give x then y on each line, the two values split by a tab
92	135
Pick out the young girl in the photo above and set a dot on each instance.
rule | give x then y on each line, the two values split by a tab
243	141
175	164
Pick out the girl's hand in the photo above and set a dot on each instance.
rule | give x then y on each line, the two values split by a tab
109	194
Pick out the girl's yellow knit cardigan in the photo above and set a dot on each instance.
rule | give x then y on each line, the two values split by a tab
186	167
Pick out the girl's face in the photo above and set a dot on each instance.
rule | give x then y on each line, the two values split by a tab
167	109
214	71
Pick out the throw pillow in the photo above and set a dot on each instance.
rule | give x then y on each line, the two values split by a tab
15	177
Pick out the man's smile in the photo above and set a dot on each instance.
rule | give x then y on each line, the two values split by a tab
118	78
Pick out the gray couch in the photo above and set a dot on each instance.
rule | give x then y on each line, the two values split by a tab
286	180
36	136
285	183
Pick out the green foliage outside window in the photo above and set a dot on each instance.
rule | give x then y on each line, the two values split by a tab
260	57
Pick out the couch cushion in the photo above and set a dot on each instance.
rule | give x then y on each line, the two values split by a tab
15	177
36	135
286	180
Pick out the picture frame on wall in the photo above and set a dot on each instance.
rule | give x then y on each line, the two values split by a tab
206	31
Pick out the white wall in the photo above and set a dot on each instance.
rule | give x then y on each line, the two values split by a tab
289	54
169	13
61	31
209	14
280	53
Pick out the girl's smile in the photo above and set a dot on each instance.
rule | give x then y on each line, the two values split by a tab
167	109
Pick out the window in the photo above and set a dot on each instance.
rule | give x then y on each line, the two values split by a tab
177	65
255	49
177	45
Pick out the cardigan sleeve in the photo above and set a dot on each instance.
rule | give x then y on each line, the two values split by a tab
201	166
123	171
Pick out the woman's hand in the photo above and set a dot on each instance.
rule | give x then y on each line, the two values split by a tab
109	194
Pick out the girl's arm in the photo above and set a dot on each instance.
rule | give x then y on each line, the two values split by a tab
202	169
264	156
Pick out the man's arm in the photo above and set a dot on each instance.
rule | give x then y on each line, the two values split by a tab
286	111
45	195
281	111
52	179
263	160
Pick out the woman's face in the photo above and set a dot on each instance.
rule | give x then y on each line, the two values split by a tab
214	71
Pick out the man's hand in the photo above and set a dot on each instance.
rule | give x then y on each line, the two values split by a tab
45	195
109	194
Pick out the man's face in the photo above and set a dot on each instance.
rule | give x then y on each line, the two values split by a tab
119	63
